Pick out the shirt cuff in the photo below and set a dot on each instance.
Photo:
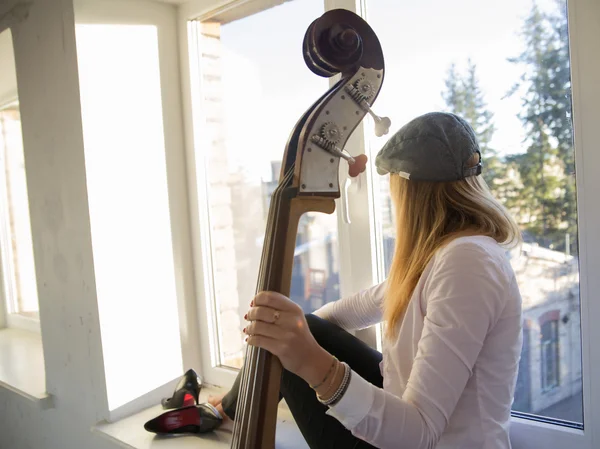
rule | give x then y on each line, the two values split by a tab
355	404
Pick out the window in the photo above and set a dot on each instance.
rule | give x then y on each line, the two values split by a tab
506	69
126	87
16	247
480	65
249	110
126	173
522	400
550	362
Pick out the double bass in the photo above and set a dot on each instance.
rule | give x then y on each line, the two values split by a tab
338	42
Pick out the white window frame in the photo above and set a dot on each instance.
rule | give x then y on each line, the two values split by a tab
175	158
361	262
8	316
357	274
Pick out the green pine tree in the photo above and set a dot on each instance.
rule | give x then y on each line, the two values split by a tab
454	93
547	168
463	96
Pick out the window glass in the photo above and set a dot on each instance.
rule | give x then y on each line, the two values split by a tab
504	66
255	87
17	248
126	173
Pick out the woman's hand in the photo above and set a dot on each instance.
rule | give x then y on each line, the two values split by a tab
278	325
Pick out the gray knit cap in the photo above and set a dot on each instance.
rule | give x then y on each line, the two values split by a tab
433	147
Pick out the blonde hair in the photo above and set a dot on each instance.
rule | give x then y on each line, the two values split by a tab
428	216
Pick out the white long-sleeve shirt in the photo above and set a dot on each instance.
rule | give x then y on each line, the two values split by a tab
449	376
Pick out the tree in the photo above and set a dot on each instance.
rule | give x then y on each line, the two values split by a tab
463	96
454	94
547	168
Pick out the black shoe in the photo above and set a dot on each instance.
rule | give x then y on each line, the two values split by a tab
195	419
186	392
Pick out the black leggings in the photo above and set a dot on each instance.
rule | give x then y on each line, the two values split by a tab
321	430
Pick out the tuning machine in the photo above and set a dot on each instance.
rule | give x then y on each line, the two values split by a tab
360	92
356	165
332	148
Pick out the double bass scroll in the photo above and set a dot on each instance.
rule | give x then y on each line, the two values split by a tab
338	42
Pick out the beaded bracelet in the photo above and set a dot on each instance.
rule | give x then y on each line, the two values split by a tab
314	387
343	387
334	399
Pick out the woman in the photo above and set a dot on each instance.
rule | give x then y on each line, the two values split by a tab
451	309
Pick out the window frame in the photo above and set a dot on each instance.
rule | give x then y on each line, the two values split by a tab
361	263
356	273
200	228
9	317
584	73
169	41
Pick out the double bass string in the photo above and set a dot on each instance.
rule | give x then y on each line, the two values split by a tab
249	360
254	357
259	356
266	277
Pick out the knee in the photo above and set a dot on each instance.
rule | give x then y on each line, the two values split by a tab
319	327
314	322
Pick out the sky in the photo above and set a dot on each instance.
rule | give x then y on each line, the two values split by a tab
267	85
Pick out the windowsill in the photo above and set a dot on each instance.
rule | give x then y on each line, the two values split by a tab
29	322
130	431
22	368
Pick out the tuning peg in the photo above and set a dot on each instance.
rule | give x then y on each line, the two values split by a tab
359	165
382	124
